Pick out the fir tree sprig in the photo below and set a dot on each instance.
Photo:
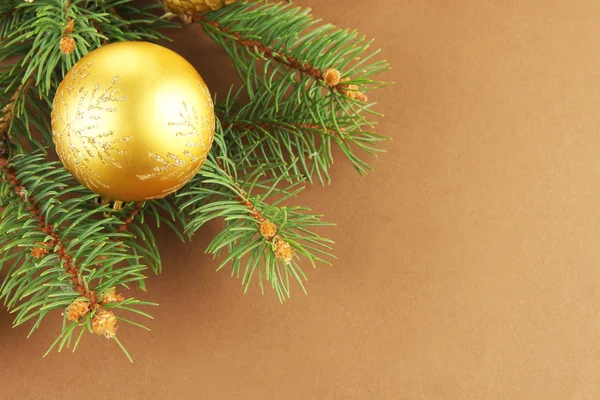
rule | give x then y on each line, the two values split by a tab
304	90
44	24
299	74
289	36
24	111
59	252
62	252
286	129
259	238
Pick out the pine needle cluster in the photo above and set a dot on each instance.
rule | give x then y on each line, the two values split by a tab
305	91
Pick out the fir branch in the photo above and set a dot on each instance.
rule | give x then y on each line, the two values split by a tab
70	253
330	76
58	33
137	233
23	112
255	45
165	211
285	129
297	74
12	16
290	37
138	237
273	125
261	239
8	109
48	229
104	41
60	250
282	249
132	213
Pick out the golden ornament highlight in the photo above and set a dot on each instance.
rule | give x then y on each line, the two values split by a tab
191	7
133	121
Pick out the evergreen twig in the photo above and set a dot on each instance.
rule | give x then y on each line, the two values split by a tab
133	212
303	90
55	240
261	239
297	73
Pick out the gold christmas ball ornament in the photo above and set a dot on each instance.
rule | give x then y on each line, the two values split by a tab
133	121
191	7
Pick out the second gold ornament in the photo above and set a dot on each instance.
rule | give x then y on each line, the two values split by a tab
192	7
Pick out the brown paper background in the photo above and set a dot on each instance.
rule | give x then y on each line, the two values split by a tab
469	265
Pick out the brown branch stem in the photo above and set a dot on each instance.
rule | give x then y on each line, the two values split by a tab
9	109
271	125
21	191
47	228
135	210
100	32
244	198
282	249
303	67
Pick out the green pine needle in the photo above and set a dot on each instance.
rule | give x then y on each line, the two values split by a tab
277	131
